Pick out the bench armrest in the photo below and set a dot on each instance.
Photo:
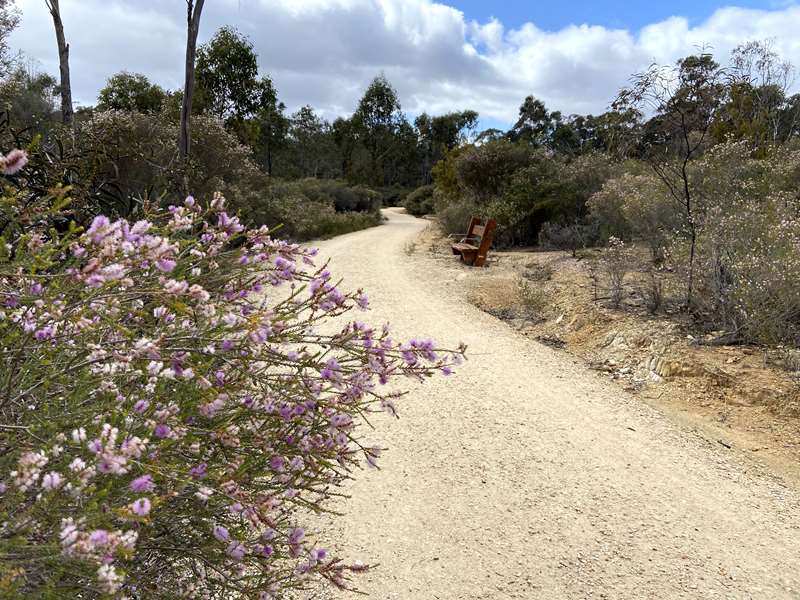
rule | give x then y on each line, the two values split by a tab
464	237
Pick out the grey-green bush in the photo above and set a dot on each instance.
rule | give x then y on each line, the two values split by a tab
420	202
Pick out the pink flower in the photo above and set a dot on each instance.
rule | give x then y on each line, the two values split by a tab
99	537
236	550
13	162
362	300
296	536
99	229
167	265
140	507
51	481
142	484
221	533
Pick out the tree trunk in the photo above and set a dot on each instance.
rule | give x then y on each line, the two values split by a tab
194	9
63	62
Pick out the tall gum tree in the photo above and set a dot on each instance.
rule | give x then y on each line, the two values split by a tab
194	9
63	62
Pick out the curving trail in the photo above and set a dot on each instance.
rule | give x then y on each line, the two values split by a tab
527	476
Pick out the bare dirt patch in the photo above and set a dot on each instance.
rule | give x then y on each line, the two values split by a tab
745	398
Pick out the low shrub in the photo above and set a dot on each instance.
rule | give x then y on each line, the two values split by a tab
636	206
747	263
338	194
533	300
454	218
393	195
420	202
168	426
572	237
616	264
314	209
538	272
653	292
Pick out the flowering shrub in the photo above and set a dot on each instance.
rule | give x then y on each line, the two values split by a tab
746	218
749	242
636	206
177	399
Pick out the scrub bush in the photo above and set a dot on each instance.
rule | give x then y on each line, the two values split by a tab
420	202
180	395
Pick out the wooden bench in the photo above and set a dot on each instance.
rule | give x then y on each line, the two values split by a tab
474	245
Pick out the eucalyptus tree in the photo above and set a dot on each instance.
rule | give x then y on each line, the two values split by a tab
65	88
194	10
685	101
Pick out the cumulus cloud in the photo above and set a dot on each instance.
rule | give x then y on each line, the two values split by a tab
324	52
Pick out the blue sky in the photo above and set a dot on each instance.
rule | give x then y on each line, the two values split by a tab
441	55
616	14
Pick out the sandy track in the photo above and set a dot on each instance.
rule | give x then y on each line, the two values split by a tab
526	476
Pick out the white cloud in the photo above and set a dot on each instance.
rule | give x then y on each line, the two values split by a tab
324	52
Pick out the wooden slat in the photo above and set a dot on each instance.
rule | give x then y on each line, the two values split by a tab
478	230
464	247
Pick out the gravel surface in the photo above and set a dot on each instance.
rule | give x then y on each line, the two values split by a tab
525	475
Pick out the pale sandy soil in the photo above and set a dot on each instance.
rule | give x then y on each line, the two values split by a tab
526	475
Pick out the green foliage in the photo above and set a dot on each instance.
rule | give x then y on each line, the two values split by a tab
748	260
758	108
445	178
310	151
227	75
312	208
520	187
376	122
393	195
420	202
454	218
131	92
439	135
484	172
535	125
29	98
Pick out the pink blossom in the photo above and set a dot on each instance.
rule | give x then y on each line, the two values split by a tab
52	481
167	265
221	533
99	537
140	507
142	484
236	550
296	536
13	162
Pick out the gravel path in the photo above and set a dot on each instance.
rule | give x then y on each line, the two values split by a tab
527	476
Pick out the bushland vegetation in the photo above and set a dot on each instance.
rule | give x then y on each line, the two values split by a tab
694	161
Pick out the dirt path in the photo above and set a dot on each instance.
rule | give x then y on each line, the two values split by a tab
526	476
